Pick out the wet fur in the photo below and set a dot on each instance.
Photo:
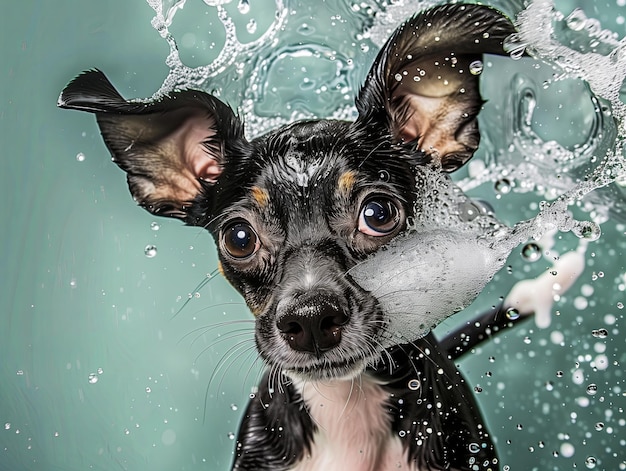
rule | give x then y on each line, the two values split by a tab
287	213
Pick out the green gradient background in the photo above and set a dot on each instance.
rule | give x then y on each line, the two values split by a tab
77	293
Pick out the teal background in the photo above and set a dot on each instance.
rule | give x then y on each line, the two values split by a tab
80	300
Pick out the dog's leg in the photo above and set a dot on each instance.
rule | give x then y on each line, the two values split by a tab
276	431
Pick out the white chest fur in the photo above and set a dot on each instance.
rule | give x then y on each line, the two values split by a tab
353	427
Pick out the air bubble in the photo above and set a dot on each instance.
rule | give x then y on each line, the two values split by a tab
476	67
234	407
531	252
150	251
155	226
231	436
80	157
599	426
590	462
414	384
592	389
92	378
474	447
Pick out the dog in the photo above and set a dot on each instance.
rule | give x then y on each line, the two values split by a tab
292	212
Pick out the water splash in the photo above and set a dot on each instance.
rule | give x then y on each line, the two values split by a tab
450	225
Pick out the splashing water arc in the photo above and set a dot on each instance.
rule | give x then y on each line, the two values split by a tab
431	257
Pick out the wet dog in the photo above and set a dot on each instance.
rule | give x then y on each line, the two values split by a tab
293	211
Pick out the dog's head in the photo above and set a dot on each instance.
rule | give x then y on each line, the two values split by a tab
294	210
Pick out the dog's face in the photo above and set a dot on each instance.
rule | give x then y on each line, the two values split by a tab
321	196
293	211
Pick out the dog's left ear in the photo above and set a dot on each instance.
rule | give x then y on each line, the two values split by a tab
424	83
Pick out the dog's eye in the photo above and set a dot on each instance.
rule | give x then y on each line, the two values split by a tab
240	240
379	216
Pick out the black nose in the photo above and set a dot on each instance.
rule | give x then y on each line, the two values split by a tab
313	327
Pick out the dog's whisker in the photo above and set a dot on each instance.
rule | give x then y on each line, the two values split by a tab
200	285
226	337
242	348
226	357
210	327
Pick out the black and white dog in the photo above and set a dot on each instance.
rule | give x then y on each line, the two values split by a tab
292	212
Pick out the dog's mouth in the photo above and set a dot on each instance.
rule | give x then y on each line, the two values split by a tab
343	369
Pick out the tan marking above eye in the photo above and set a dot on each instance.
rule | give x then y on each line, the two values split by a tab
346	182
261	196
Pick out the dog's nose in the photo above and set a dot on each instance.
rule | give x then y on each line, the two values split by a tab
313	328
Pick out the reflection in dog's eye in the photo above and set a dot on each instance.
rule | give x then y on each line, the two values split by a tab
379	216
240	240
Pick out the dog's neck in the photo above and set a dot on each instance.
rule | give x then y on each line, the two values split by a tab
348	412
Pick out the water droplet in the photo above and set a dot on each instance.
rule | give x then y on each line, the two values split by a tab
92	378
599	426
398	77
80	157
503	186
576	20
402	433
251	27
7	426
155	226
474	447
559	374
587	230
99	371
476	67
148	390
512	314
231	435
590	462
592	389
520	426
478	389
620	305
600	333
243	7
468	211
527	340
531	252
414	384
150	251
234	407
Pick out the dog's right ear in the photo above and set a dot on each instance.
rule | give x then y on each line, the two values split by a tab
423	86
172	149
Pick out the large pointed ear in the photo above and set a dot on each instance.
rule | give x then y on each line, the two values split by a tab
424	83
172	149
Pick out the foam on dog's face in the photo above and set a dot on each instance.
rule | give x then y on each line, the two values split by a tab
439	265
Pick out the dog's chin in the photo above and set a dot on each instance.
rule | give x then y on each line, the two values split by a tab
325	371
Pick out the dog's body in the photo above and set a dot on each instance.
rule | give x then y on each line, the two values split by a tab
292	212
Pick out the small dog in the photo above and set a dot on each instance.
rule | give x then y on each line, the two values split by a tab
293	211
